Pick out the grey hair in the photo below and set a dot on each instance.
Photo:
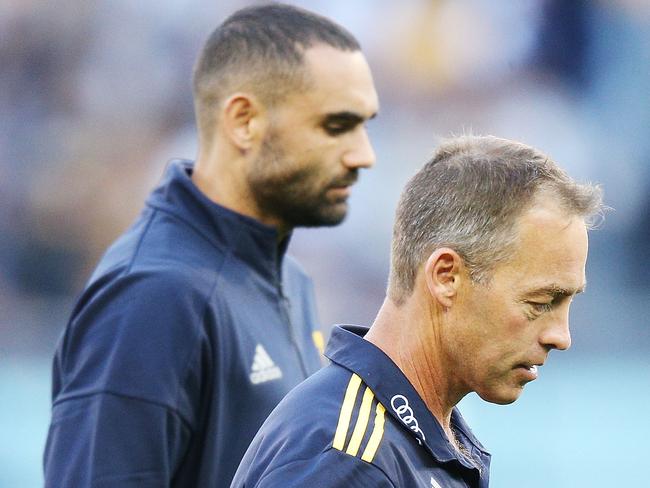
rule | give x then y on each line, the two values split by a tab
468	197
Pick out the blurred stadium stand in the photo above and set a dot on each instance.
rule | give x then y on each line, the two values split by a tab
95	98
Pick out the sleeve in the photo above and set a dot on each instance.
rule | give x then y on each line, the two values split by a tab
332	469
107	440
126	385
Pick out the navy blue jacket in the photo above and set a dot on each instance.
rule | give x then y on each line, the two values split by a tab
359	423
190	331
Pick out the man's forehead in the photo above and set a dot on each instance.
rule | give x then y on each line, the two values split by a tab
340	81
547	274
548	258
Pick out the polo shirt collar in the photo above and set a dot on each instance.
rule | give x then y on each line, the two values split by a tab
349	349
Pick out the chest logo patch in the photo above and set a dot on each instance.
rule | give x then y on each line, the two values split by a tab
404	411
263	368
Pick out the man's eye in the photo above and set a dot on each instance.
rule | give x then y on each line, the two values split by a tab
336	129
541	307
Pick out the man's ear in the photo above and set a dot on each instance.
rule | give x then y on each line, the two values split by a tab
244	120
442	273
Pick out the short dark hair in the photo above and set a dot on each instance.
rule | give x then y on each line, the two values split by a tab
261	49
468	197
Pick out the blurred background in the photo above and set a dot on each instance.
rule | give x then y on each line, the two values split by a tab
95	99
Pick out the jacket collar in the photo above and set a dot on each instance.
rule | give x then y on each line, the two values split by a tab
348	349
249	240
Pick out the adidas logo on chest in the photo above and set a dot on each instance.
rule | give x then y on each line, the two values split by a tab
434	483
263	368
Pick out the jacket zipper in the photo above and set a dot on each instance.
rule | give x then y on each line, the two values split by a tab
286	310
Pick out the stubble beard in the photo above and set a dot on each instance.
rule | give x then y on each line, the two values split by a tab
294	197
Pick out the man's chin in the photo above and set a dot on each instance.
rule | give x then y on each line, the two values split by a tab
502	397
325	216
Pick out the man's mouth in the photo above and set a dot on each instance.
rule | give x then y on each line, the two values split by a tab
342	185
530	371
340	191
346	181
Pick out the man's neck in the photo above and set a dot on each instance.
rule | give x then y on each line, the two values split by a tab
230	190
406	335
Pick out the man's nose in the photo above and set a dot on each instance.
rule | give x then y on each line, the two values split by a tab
557	335
361	154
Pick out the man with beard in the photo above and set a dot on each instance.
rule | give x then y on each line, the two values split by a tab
489	249
195	324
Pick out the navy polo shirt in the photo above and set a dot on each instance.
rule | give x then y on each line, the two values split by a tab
359	423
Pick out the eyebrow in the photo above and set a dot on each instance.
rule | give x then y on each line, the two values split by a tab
346	116
557	291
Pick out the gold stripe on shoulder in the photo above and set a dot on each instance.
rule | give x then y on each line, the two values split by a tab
319	341
362	423
346	412
376	436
